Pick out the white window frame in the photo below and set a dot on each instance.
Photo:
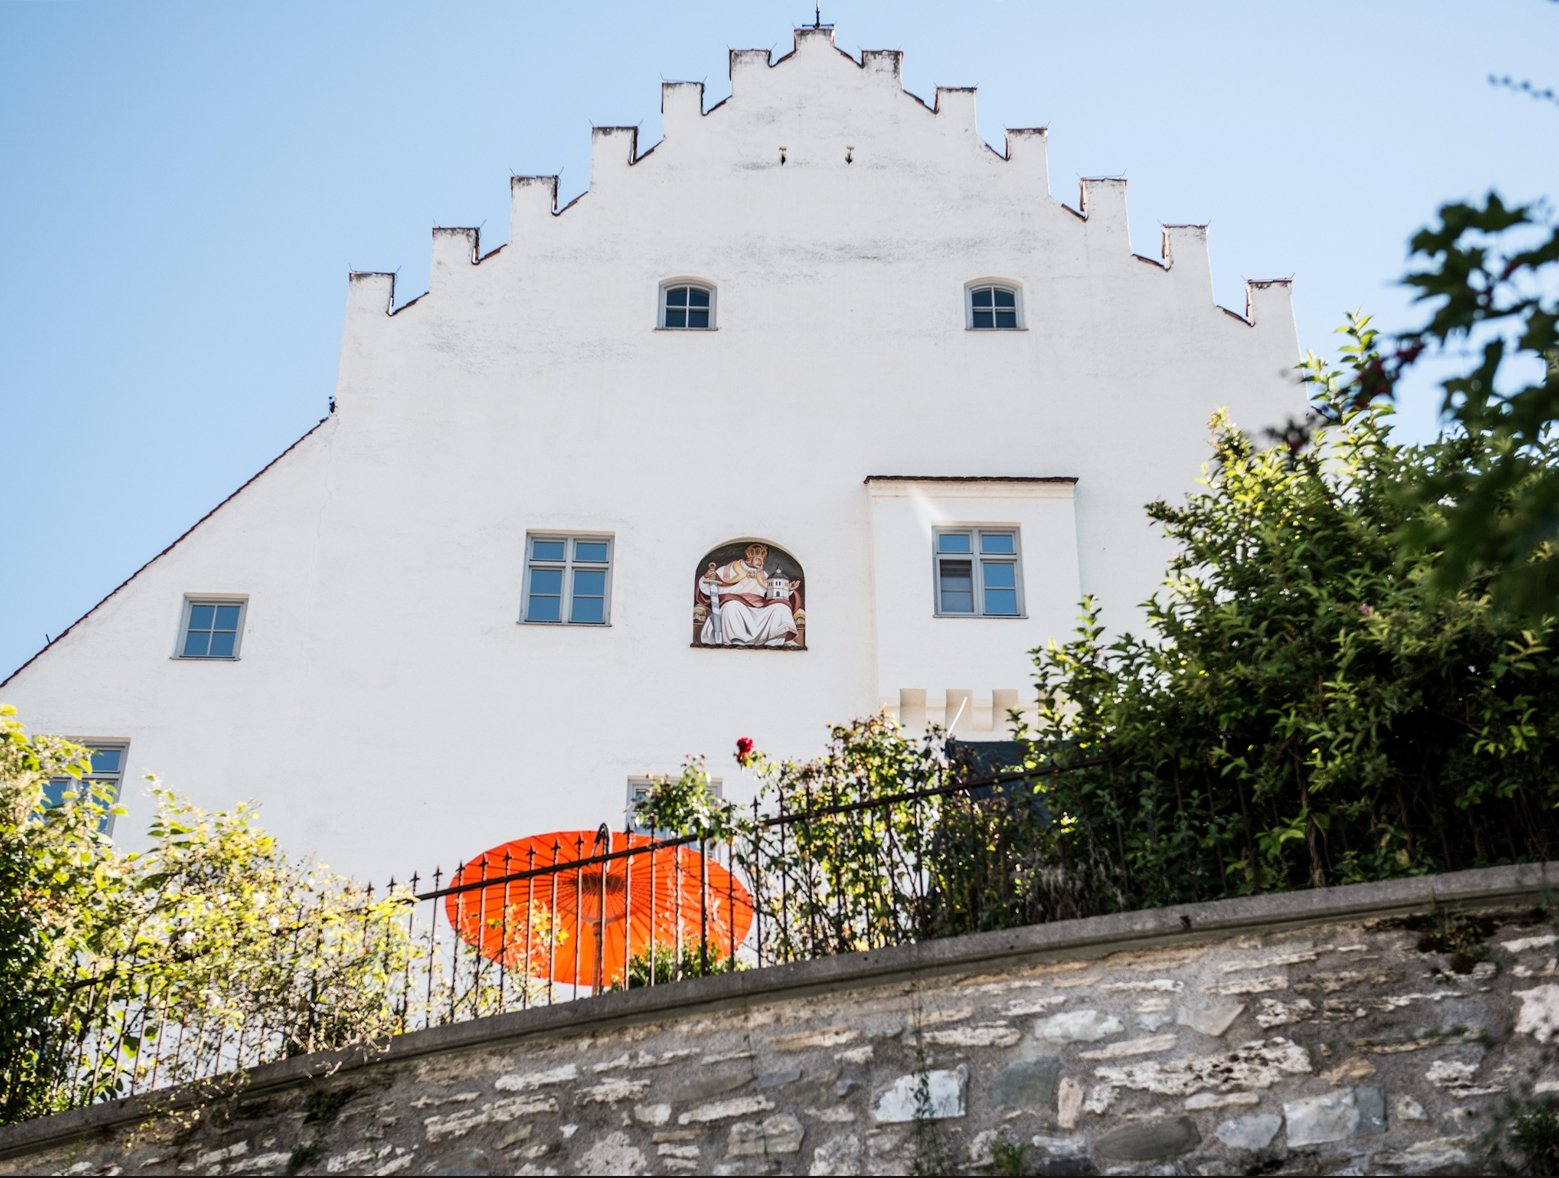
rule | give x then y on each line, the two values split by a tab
977	561
569	565
672	284
191	601
639	789
1006	284
94	745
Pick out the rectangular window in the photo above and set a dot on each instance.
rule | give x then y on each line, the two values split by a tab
639	789
211	627
977	572
108	766
568	579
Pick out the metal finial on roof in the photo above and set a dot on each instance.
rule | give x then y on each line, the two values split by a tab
817	18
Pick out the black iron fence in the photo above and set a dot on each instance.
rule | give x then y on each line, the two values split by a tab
569	915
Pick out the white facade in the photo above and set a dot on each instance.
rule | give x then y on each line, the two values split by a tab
388	707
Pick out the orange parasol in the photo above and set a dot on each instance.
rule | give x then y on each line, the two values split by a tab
582	922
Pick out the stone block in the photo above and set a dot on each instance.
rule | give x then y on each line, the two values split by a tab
1069	1102
1457	1077
778	1134
983	1035
1259	1064
1144	1046
838	1155
693	1084
1334	1116
1272	1013
1213	1018
1539	1015
525	1081
1078	1026
1149	1140
613	1154
1030	1085
723	1110
934	1095
1251	1132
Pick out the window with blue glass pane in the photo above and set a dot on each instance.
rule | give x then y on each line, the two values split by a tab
211	629
977	572
567	579
993	307
687	306
102	778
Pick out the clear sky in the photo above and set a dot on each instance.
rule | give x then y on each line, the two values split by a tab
186	185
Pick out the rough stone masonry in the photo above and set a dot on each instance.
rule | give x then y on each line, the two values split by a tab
1385	1028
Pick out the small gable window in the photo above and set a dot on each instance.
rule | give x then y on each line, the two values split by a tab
687	306
211	628
993	307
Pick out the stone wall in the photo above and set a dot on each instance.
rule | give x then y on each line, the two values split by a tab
1378	1029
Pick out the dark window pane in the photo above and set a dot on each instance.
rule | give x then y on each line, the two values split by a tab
588	609
589	583
983	319
957	574
697	297
952	542
1006	318
543	609
1001	601
675	318
547	582
106	760
999	575
982	297
676	296
591	550
546	549
956	586
200	617
227	617
698	319
195	643
54	792
1005	298
222	644
996	543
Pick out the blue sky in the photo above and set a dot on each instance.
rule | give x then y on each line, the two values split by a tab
186	186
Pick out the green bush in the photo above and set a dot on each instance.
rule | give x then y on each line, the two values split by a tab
1308	707
210	951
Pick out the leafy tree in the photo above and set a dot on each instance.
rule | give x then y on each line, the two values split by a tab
1315	703
211	950
1491	278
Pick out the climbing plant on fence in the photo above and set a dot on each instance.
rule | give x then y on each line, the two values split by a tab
210	951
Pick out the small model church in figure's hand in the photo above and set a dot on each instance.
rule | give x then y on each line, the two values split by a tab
822	356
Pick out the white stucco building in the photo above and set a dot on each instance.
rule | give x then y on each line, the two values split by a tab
822	315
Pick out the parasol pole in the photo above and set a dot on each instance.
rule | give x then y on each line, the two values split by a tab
602	835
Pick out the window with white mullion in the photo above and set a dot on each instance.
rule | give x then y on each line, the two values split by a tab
568	579
687	306
977	572
102	778
993	307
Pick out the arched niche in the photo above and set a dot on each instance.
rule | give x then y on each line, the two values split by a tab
749	593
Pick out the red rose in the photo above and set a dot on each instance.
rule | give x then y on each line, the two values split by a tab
743	749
